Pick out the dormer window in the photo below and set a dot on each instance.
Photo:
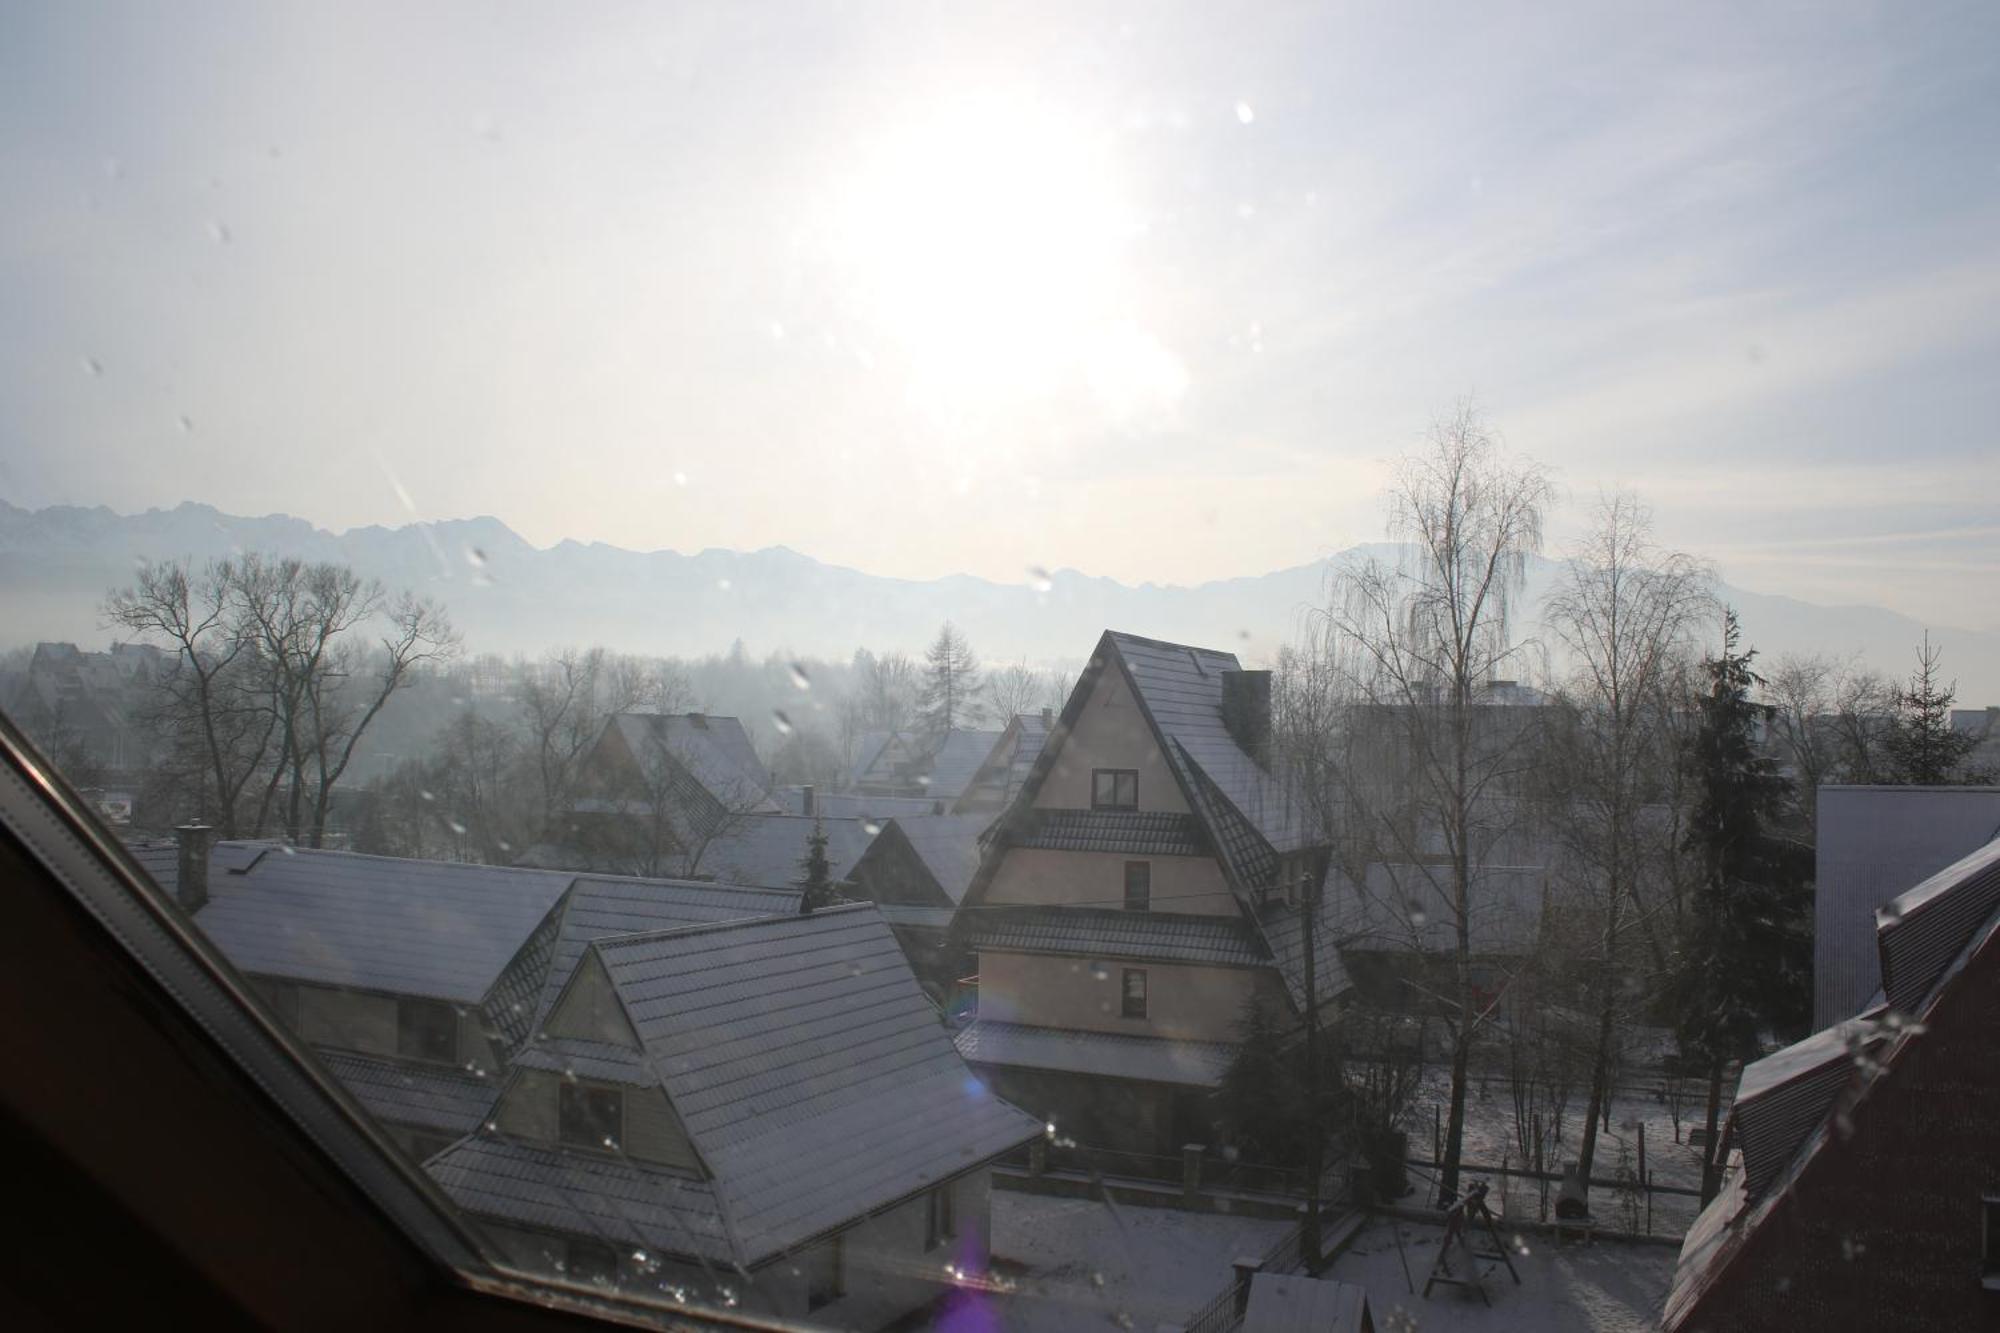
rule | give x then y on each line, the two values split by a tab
1114	789
590	1115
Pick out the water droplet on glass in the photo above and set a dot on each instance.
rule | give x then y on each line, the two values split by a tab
475	557
505	846
491	1127
1890	913
1245	113
870	827
1097	1279
187	423
455	826
800	680
680	478
1040	579
723	584
93	365
424	794
781	722
1418	917
1099	972
288	849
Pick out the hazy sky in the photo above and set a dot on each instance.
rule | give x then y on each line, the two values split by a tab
1149	290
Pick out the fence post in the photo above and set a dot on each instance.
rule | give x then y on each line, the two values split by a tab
1191	1171
1245	1270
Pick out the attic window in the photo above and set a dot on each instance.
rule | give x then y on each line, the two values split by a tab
426	1030
1114	789
590	1116
1135	992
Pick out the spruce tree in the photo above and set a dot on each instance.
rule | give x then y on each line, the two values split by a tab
951	684
817	884
1746	950
1923	749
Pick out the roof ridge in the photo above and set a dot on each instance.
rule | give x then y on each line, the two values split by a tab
738	923
1126	636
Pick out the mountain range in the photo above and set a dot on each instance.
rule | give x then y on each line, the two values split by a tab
509	596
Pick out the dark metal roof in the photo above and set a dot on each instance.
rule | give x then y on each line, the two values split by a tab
1784	1097
1089	932
1100	1054
1133	832
402	1092
1923	930
1283	928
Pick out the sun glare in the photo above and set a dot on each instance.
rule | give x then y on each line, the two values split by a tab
988	241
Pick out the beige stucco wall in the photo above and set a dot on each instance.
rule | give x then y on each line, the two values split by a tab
1184	1002
1109	733
1181	884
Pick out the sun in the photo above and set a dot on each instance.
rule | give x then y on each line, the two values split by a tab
987	238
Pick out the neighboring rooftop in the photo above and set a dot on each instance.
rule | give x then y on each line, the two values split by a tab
1198	1064
769	851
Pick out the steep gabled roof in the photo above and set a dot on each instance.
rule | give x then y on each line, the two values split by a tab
808	1070
768	851
715	751
1006	767
957	760
948	845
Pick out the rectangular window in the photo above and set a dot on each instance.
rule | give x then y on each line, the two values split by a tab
1138	886
938	1222
427	1030
591	1261
1135	992
590	1116
1114	789
824	1280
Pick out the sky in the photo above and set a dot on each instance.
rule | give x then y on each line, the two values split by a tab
1154	291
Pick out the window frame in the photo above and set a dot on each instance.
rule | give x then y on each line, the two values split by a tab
411	1007
1989	1241
1125	997
1143	900
568	1097
1097	801
940	1220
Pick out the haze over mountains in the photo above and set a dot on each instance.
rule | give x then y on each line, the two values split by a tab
508	596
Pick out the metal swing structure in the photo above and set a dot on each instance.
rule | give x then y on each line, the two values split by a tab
1478	1264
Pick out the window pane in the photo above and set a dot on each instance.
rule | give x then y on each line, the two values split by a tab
426	1031
1138	885
590	1117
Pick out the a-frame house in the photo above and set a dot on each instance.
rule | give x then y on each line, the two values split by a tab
1150	880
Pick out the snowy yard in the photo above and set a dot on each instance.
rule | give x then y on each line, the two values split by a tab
1081	1264
1601	1288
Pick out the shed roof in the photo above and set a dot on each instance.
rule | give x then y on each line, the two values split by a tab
1198	1064
1295	1303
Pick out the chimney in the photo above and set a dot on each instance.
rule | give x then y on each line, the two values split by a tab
1246	712
191	877
808	800
1048	719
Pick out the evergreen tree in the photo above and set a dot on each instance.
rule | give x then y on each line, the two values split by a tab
1263	1098
818	880
1923	749
1745	956
951	684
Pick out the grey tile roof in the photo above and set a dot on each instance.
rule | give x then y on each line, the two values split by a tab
1924	929
615	1199
160	858
956	760
449	1101
1284	935
429	928
588	1059
1181	688
767	851
1873	844
1135	832
1103	1054
603	905
1784	1097
1113	933
716	751
810	1072
948	845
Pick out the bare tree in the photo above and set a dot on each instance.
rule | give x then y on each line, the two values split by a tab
213	705
565	701
1419	646
886	687
1626	612
1017	688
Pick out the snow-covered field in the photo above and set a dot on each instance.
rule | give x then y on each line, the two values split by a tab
1080	1264
1602	1288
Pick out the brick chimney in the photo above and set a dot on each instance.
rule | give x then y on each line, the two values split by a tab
191	877
1246	712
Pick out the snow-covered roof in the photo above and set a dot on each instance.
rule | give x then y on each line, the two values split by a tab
716	751
431	928
955	761
948	845
769	851
808	1070
1295	1303
1198	1064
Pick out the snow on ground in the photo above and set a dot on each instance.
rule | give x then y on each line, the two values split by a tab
1085	1265
1607	1287
1490	1137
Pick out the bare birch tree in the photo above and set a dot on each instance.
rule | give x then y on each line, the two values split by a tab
1419	646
